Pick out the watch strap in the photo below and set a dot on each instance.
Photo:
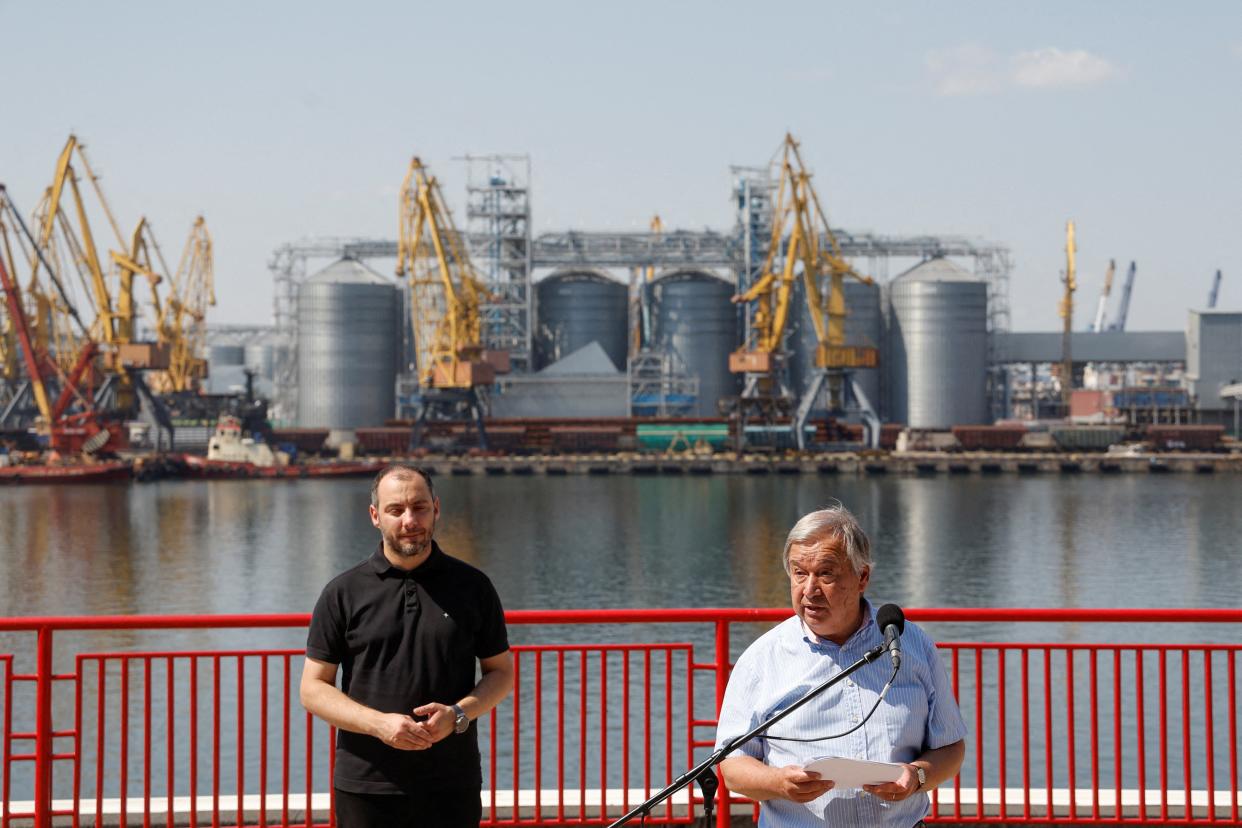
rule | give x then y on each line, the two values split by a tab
462	722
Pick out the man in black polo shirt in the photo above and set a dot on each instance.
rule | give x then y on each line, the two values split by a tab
406	627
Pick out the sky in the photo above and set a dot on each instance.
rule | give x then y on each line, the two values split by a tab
996	120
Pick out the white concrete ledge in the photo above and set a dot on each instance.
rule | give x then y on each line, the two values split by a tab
575	804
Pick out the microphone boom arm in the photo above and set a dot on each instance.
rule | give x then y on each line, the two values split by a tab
705	767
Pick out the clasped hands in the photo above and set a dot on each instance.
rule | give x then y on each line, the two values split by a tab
426	725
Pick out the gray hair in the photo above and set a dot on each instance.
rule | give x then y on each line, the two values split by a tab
832	523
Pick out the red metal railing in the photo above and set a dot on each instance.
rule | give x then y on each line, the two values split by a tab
1103	733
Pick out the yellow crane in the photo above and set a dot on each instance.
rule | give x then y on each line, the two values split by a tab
68	247
445	289
1066	311
182	318
71	422
799	232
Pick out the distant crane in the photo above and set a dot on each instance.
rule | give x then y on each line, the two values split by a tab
1124	310
445	293
1098	324
1215	292
72	422
1067	316
811	244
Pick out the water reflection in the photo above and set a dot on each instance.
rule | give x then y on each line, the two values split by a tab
258	546
582	542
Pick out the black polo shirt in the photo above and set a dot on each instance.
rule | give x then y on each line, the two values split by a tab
404	639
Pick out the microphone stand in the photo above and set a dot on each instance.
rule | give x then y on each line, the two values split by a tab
703	772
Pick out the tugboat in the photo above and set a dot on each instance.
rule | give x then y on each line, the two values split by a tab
231	455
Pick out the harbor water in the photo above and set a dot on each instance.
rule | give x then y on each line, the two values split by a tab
183	547
590	541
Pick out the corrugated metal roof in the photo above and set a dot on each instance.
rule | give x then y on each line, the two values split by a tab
936	270
349	271
1106	346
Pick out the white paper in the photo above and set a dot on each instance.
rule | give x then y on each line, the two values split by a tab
854	773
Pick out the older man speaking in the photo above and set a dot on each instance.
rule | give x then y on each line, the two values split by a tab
918	726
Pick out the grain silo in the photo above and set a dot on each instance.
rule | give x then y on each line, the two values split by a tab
938	354
577	308
695	320
864	327
348	347
225	354
260	357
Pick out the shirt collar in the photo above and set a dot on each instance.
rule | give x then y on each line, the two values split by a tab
383	567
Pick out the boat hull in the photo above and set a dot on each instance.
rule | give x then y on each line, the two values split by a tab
85	473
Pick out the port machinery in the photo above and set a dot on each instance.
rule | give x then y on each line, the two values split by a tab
506	255
707	249
75	319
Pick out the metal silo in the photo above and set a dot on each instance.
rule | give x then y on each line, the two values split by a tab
577	308
938	355
864	326
348	347
261	358
222	355
695	320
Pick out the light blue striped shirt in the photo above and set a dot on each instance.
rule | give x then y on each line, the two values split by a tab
919	713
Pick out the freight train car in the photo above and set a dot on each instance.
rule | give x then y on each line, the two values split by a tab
1184	437
989	437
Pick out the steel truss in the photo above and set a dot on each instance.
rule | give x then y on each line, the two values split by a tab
602	249
498	236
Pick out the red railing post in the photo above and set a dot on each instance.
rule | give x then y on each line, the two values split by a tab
43	729
722	681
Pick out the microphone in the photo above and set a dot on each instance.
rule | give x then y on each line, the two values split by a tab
892	622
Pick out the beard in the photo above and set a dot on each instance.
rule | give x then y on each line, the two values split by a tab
410	548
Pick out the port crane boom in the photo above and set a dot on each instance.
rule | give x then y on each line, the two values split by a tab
1214	293
71	422
181	319
1067	315
1098	324
802	249
812	244
1126	290
445	289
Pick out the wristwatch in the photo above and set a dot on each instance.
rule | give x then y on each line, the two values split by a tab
922	775
462	723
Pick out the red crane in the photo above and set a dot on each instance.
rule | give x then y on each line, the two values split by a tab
81	430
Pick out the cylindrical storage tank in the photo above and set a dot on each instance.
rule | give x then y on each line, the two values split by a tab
348	347
694	319
577	308
222	355
938	347
261	358
864	327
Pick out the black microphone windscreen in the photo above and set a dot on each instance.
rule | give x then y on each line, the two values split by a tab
891	614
